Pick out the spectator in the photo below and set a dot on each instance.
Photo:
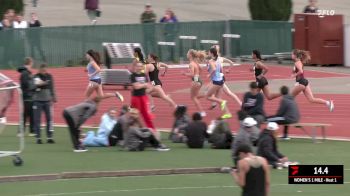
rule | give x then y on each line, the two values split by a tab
267	146
35	3
177	134
148	16
10	15
19	23
170	28
27	86
120	128
221	137
169	17
91	7
253	103
312	7
137	137
6	24
196	132
34	37
247	134
253	173
43	98
287	113
108	121
34	20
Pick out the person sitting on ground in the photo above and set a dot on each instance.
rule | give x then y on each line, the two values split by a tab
196	132
267	146
253	103
138	138
117	134
221	136
108	121
247	134
177	134
287	113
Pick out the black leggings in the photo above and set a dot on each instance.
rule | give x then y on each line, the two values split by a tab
28	113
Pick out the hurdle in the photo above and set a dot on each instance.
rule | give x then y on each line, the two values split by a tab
227	40
182	39
118	50
205	42
168	44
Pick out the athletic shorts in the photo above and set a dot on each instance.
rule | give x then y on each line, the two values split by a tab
303	82
98	81
218	83
198	80
262	82
156	82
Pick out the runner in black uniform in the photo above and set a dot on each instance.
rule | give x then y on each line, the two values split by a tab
252	173
301	57
259	71
152	68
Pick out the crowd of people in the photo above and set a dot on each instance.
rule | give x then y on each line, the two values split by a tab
14	20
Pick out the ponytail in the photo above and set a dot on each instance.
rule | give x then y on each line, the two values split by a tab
257	54
154	57
214	52
95	56
139	54
303	55
197	55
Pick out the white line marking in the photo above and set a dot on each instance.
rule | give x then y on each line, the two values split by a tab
148	189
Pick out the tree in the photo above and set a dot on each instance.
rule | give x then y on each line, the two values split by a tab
278	10
17	5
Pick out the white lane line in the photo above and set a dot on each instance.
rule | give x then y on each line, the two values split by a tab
147	189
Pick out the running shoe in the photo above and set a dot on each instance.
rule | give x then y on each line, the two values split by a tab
203	114
226	116
153	108
119	96
80	149
223	105
162	148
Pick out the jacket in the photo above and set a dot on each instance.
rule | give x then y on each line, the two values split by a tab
46	92
101	139
267	147
91	4
253	104
221	136
133	138
244	137
81	112
289	109
26	83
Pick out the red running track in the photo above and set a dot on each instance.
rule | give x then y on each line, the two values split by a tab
71	83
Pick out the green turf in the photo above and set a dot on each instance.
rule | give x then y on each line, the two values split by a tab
46	158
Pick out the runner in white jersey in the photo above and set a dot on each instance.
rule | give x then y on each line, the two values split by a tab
225	88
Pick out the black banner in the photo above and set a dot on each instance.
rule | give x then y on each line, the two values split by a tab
316	174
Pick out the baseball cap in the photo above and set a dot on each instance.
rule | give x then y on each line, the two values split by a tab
249	122
148	5
272	126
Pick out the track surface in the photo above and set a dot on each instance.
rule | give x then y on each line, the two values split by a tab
71	83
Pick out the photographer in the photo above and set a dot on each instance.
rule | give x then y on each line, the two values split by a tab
137	137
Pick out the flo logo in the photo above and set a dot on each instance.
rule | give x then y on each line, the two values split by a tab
325	12
295	170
